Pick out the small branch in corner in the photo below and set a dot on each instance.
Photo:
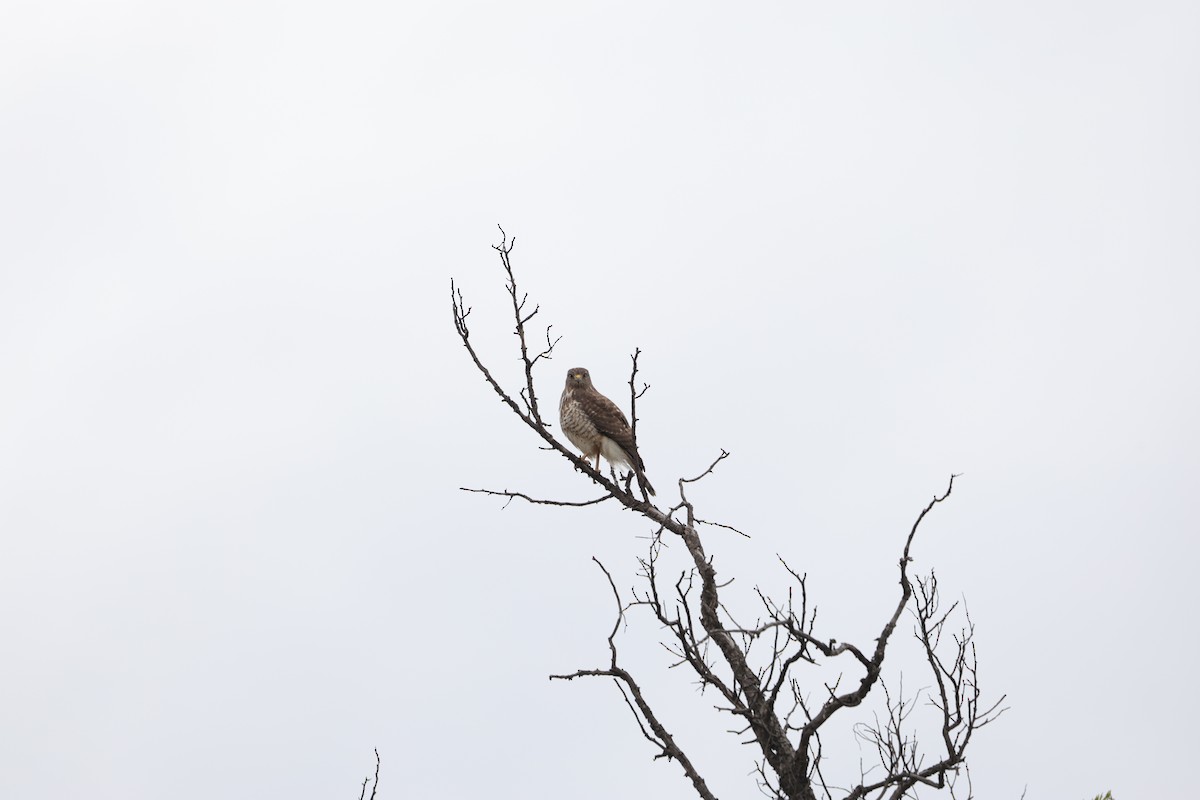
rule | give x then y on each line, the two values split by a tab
374	786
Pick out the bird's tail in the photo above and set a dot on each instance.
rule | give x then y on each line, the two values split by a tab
644	482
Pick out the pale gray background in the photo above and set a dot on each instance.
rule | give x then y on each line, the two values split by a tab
861	246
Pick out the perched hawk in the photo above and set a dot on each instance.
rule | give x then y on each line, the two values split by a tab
596	426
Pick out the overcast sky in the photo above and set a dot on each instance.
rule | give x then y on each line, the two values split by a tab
861	246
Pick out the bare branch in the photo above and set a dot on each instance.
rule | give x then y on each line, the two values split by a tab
535	501
724	455
634	394
375	785
874	665
546	354
527	393
661	738
721	525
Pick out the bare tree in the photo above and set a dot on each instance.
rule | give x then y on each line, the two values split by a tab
759	686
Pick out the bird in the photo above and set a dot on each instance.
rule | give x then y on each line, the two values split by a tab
595	425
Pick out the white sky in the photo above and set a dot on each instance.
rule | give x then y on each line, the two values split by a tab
861	247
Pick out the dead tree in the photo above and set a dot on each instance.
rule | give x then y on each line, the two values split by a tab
759	685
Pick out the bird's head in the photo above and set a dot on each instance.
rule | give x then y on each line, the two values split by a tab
578	378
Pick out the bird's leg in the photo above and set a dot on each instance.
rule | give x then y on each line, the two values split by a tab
597	462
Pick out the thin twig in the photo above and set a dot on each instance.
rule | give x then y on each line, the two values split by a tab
374	786
534	500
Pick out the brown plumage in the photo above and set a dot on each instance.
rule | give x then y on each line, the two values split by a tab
598	427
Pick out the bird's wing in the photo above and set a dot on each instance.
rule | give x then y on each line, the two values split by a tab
610	421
